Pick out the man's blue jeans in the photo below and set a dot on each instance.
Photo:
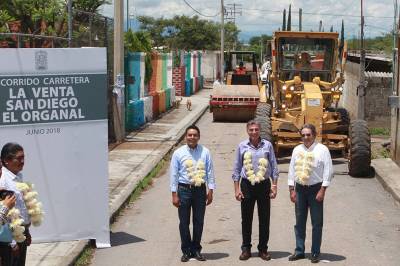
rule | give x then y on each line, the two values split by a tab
191	198
305	199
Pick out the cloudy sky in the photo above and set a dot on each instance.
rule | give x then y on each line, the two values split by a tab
263	16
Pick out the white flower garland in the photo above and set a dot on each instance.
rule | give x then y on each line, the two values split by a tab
16	226
303	167
196	173
32	204
248	165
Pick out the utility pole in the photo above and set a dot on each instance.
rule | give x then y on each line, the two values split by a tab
127	15
300	17
70	23
222	41
119	84
361	86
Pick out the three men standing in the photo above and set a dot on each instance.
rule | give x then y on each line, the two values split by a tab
255	164
191	170
310	173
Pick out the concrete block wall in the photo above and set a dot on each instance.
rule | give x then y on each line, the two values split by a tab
154	100
159	72
142	74
173	96
153	80
169	70
148	108
210	65
377	111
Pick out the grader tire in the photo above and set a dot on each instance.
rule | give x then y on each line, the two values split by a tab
263	116
360	149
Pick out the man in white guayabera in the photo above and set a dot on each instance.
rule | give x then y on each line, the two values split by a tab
191	174
310	173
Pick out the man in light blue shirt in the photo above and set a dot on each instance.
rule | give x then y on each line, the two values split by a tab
255	167
191	173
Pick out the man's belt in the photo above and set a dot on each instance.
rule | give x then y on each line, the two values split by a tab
309	186
190	185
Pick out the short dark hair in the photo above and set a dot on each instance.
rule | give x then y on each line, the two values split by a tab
192	127
253	122
9	151
310	127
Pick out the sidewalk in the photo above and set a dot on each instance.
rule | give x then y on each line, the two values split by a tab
128	164
388	173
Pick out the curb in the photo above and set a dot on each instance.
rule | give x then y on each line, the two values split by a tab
387	183
129	189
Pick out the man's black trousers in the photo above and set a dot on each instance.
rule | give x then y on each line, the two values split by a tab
255	193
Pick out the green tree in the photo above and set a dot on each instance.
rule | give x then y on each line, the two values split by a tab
140	42
44	17
259	42
189	33
231	36
378	44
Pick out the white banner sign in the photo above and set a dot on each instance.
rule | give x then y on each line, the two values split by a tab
53	103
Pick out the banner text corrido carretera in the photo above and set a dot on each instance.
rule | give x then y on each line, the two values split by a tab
49	99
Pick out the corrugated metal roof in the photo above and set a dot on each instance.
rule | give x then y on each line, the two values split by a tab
380	57
374	74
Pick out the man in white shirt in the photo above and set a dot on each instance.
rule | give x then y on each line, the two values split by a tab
310	173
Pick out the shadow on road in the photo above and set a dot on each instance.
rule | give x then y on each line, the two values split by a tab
279	254
215	256
274	254
122	238
332	257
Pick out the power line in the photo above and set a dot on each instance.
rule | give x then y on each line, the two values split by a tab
317	14
234	9
198	12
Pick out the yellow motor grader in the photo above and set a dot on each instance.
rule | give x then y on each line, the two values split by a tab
307	77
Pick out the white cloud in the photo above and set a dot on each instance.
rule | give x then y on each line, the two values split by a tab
261	16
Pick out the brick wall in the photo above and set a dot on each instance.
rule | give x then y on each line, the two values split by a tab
178	80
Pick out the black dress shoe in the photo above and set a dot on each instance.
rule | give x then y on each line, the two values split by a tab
246	254
185	258
315	258
296	257
198	256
